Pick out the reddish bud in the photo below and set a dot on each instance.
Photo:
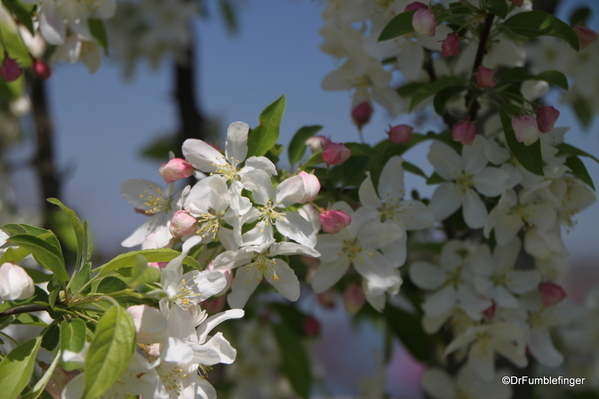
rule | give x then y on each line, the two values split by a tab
551	293
335	153
41	69
517	3
327	299
176	169
585	35
546	117
312	326
158	265
526	129
362	113
10	69
484	77
463	132
415	6
317	143
489	312
311	187
424	22
353	298
215	304
451	45
182	224
333	221
400	134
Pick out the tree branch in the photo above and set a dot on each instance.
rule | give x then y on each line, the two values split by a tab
471	97
24	309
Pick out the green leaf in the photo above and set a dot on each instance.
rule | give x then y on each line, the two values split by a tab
296	363
579	170
230	17
266	134
81	279
580	16
109	352
47	255
141	273
446	95
151	255
358	149
98	31
410	167
498	7
435	179
408	328
22	11
554	77
39	387
297	146
50	337
16	368
532	24
77	226
583	112
529	156
111	284
428	90
399	25
314	159
409	89
565	148
46	235
72	338
14	46
13	254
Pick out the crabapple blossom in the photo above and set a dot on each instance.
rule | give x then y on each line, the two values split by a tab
362	113
317	143
15	283
586	36
484	77
400	134
526	129
333	221
424	22
551	293
451	45
311	187
353	298
182	224
335	153
463	132
41	69
176	169
415	6
546	118
10	69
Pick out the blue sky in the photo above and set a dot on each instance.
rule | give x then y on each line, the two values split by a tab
102	121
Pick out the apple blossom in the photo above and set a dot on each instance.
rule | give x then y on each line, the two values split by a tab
424	22
182	224
526	129
415	6
463	132
362	113
15	283
10	69
333	221
317	143
400	134
311	187
586	36
451	45
176	169
335	153
551	293
484	77
546	118
353	298
41	69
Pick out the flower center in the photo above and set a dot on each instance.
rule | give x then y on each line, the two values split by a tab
154	201
262	265
464	182
269	215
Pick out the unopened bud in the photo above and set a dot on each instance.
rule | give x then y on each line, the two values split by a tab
176	169
353	298
317	143
362	113
15	283
463	132
526	129
451	45
327	299
312	326
335	153
489	312
215	304
484	77
182	224
517	3
424	22
585	35
546	118
41	69
551	293
311	187
415	6
333	221
158	265
10	69
400	134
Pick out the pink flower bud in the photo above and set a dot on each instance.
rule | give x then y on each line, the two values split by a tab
424	22
15	283
327	299
41	69
551	294
361	113
215	304
451	45
463	132
585	35
158	265
489	312
317	143
526	129
176	169
312	326
415	6
335	153
353	298
484	77
400	134
546	117
333	221
517	3
182	224
10	70
311	186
